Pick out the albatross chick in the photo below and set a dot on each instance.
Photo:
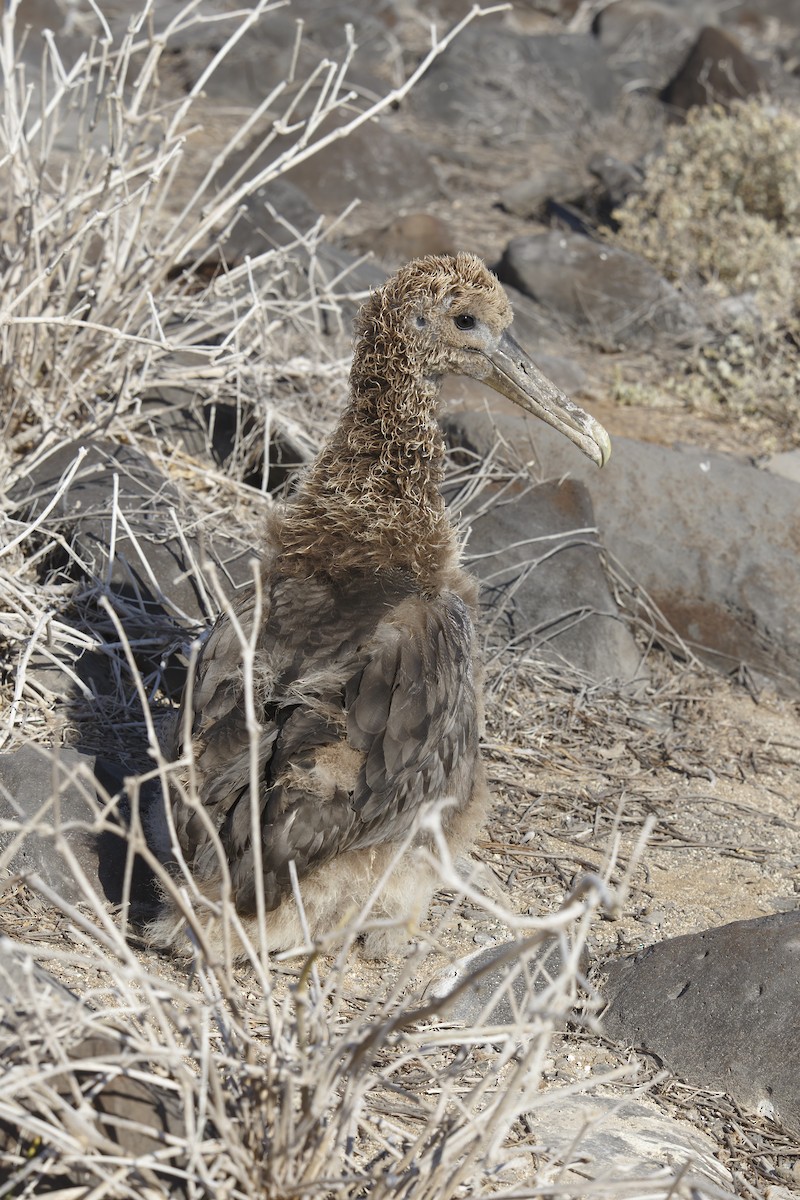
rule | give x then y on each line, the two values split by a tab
367	683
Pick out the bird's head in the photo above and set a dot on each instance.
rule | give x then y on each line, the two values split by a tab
444	315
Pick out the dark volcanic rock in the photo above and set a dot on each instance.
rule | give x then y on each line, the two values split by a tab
372	163
85	517
271	216
529	197
619	179
714	541
176	417
720	1009
223	435
641	25
49	789
411	236
615	296
644	37
262	59
136	557
497	82
103	1071
50	798
716	71
539	557
343	279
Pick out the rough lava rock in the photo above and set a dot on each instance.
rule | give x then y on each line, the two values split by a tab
713	540
529	197
52	796
538	554
258	61
644	37
619	179
715	71
495	81
364	165
271	216
719	1009
85	516
136	557
412	235
615	296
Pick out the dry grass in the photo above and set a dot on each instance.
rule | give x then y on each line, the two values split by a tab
312	1075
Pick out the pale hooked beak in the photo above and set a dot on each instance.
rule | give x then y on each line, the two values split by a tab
516	376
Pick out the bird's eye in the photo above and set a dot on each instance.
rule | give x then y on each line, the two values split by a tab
465	321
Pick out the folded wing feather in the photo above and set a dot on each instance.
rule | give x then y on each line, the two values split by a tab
366	704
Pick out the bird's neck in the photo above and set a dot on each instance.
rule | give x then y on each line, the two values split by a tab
372	500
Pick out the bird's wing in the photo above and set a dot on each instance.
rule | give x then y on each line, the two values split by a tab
213	711
366	709
413	711
291	642
357	773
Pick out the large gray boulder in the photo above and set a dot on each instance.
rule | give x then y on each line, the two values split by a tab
539	557
720	1009
645	38
54	816
150	566
711	539
135	555
715	71
611	296
495	82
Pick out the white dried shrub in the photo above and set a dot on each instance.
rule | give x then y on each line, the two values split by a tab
719	214
749	374
721	204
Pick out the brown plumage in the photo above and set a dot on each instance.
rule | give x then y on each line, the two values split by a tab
368	693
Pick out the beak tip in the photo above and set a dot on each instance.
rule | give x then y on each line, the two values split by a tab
599	448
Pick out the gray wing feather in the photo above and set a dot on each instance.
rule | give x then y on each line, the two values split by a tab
367	707
428	710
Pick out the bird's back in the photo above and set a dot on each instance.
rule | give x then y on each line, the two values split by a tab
367	709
